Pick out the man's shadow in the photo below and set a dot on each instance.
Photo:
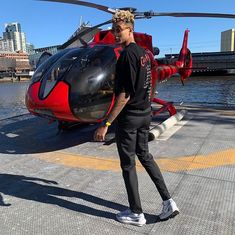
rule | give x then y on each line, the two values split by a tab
28	188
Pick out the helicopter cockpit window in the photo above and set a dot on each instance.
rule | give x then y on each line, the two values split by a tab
91	79
43	67
57	71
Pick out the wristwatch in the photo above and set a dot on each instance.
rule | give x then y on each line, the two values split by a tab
106	123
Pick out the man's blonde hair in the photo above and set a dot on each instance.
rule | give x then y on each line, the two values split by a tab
126	16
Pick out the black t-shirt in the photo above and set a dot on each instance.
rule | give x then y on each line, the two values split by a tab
133	76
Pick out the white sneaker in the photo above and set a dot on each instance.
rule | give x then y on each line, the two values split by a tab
169	210
128	217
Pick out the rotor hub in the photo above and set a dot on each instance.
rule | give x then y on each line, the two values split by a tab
130	9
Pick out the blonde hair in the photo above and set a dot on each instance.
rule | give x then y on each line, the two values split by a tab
125	16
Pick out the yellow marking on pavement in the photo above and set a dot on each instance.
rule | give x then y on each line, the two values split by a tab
222	158
82	161
187	163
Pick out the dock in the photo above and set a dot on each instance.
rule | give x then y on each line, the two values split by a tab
65	183
15	79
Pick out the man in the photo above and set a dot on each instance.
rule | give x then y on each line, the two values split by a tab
132	110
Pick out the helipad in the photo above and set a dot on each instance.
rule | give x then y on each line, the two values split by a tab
64	183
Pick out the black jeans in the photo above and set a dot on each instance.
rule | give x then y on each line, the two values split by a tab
132	139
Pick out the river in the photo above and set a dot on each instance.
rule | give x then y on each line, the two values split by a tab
217	91
12	99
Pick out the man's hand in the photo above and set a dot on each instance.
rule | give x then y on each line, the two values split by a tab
120	101
100	133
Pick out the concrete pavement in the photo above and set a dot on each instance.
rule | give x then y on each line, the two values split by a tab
64	183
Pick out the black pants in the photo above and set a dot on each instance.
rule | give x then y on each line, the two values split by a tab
132	139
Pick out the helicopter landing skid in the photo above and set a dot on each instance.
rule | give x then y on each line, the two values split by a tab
165	106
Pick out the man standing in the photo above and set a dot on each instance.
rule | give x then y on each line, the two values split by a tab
132	110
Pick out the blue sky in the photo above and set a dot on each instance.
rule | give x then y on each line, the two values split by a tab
48	23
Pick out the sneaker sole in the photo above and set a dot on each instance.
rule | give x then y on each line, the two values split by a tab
130	222
175	213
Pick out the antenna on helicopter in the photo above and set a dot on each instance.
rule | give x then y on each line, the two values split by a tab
80	22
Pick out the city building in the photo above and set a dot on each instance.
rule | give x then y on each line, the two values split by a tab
13	32
227	40
6	44
14	62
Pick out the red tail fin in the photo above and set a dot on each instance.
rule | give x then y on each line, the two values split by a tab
185	58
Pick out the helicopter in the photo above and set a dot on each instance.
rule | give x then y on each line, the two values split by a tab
75	85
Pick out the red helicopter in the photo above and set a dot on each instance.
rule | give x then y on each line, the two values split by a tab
76	84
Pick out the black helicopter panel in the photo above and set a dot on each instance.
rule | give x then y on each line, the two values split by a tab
91	79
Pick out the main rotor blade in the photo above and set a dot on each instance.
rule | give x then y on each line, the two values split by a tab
149	14
83	33
87	4
141	15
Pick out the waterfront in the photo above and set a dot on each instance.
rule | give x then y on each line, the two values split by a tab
202	91
216	91
12	99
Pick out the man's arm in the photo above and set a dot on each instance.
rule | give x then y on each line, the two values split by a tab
119	104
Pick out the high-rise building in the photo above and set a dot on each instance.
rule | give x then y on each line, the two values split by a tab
13	32
227	40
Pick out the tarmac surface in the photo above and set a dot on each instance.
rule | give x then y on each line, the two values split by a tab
64	183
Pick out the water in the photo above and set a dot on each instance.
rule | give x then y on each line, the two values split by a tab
202	91
12	99
217	91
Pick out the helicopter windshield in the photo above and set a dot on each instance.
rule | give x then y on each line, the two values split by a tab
92	79
57	70
43	67
89	71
